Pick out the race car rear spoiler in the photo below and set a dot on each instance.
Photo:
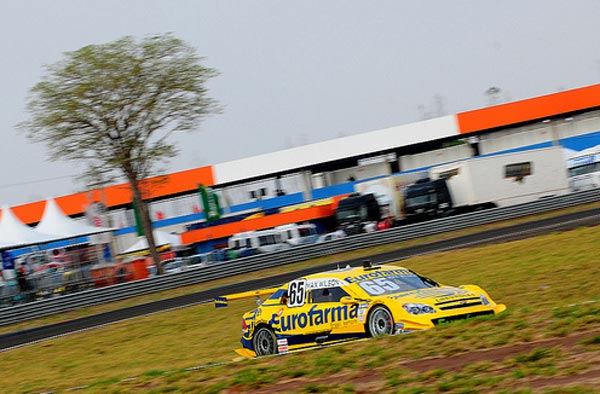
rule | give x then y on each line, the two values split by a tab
223	301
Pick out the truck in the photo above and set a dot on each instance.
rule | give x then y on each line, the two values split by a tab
388	190
355	211
584	169
488	181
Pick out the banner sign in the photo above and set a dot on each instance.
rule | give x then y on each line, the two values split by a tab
210	203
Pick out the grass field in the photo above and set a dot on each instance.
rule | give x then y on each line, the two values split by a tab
547	341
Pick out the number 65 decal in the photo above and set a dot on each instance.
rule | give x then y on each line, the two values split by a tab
296	293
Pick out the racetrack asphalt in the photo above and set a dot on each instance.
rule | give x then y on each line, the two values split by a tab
519	231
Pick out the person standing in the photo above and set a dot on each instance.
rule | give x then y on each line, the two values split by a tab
22	274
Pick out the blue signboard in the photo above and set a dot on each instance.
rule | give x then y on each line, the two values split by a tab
8	261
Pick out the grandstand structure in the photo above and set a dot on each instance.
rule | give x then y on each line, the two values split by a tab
304	183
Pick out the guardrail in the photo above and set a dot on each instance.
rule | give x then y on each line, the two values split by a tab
36	309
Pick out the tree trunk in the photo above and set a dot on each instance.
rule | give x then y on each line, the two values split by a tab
146	224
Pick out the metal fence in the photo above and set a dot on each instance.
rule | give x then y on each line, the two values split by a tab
45	307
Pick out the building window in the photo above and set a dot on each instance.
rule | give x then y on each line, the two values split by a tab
517	170
448	173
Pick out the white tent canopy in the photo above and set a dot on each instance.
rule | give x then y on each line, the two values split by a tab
56	222
160	238
14	233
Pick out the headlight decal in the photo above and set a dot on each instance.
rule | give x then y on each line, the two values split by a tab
484	300
415	308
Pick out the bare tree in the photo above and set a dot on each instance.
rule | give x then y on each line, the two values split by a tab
113	106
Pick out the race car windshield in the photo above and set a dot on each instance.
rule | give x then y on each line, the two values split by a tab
396	284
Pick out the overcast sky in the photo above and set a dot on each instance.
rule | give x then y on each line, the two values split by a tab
298	72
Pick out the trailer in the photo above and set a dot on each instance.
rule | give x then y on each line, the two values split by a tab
488	181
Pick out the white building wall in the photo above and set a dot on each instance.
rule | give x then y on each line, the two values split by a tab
356	145
435	157
542	131
583	124
359	173
119	218
293	183
517	138
240	194
175	207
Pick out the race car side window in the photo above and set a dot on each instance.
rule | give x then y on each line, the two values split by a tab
331	294
278	295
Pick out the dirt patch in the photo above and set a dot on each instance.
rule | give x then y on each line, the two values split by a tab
458	361
589	379
375	381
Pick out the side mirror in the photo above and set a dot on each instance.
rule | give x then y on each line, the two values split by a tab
347	300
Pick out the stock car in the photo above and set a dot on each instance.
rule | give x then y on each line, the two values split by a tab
351	303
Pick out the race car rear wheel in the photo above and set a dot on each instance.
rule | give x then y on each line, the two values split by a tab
264	341
380	322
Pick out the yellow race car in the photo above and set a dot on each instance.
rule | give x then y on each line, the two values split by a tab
352	303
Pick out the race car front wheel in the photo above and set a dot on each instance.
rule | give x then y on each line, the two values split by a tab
264	342
380	322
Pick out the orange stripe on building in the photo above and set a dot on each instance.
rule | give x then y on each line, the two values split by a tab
269	221
117	195
530	109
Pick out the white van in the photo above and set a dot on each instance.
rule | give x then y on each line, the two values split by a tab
263	241
298	234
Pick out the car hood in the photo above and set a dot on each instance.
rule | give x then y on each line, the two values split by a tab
435	294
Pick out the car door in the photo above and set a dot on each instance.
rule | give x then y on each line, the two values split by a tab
338	318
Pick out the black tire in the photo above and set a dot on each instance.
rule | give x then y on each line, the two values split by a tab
264	341
379	322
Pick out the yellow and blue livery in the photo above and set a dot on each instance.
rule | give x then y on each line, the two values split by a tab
353	303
